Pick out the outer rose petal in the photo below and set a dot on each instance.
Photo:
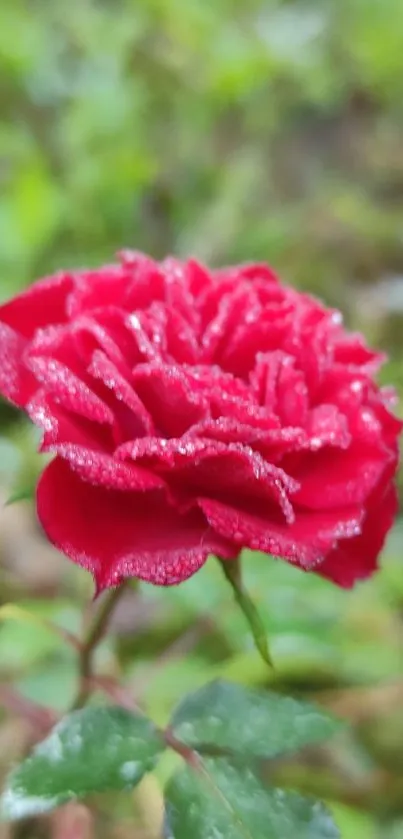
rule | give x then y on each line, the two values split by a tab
60	426
193	466
306	542
352	350
70	391
96	288
39	305
356	559
17	384
103	470
331	479
117	534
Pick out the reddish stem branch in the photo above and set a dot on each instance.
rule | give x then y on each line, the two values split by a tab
115	691
39	717
189	755
88	647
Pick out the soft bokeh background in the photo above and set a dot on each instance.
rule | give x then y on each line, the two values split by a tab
228	130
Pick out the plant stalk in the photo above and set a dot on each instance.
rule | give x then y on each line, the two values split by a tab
90	643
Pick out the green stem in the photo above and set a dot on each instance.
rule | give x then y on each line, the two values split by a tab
91	640
232	572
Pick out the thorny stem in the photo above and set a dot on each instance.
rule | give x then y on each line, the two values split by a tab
91	640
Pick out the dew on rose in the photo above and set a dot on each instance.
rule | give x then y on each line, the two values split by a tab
118	413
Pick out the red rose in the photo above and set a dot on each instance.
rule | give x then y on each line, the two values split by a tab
195	412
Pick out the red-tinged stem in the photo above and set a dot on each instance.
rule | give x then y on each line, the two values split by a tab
90	643
40	718
119	694
189	755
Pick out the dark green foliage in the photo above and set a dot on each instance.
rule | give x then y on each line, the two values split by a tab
249	723
223	801
92	750
99	749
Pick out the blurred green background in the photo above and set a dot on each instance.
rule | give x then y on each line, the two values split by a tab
229	130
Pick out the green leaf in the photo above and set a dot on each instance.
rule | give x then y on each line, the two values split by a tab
357	824
90	750
251	723
228	802
24	494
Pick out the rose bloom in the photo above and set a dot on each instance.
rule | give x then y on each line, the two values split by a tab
194	412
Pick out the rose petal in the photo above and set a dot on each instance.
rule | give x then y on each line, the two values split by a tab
390	424
332	478
266	334
67	389
118	535
90	335
310	340
130	413
101	469
252	271
199	278
137	323
231	308
355	559
229	430
168	396
98	288
172	332
16	382
179	297
327	426
41	304
306	542
61	426
351	349
148	282
281	387
106	329
193	467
